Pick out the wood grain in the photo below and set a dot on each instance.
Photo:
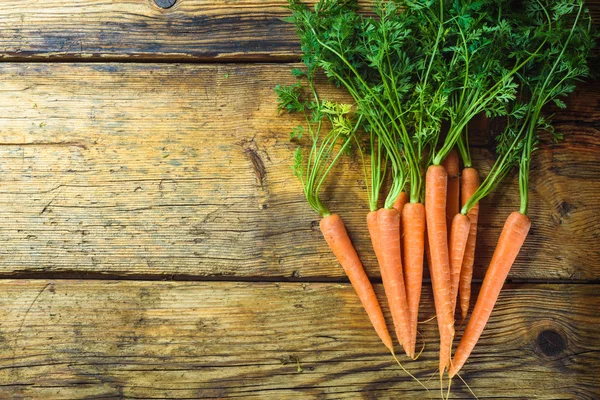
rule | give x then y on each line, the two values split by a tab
141	30
191	30
107	339
183	171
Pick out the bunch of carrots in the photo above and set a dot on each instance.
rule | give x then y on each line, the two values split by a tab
418	72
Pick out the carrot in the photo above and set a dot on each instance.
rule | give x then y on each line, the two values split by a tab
399	206
450	163
435	212
427	250
388	221
469	184
459	234
401	202
413	272
373	227
335	234
374	234
509	244
413	247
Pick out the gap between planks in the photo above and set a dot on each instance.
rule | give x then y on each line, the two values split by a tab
156	59
69	276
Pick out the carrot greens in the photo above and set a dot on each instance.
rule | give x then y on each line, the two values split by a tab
561	37
552	76
331	128
375	60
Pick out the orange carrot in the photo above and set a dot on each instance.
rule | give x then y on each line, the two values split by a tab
427	250
373	227
469	184
374	234
335	234
452	196
435	212
400	202
509	244
399	206
413	247
391	273
459	234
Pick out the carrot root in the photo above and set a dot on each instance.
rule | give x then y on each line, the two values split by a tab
337	238
451	165
509	244
388	221
400	202
413	248
459	234
373	227
435	211
469	184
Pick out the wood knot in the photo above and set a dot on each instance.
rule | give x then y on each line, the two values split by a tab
565	209
253	154
165	3
551	343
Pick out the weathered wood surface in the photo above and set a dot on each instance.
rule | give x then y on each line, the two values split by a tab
183	170
108	339
140	30
190	30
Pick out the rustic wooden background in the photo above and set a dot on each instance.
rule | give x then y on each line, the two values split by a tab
155	245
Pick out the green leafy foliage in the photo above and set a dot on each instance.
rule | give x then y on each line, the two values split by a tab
553	74
413	65
289	98
297	132
385	67
329	129
559	35
298	166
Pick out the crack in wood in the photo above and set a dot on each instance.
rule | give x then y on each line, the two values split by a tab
45	144
18	333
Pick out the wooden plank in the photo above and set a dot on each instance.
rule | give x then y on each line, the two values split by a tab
151	169
190	30
111	339
140	30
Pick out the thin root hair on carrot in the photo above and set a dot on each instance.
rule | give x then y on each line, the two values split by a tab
449	385
467	385
431	376
463	381
411	375
422	347
442	386
428	320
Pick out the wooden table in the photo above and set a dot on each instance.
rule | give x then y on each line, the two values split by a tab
156	245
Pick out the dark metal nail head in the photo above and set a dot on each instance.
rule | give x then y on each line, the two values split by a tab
165	3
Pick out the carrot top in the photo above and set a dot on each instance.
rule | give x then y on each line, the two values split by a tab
568	41
387	63
331	128
480	69
333	40
561	39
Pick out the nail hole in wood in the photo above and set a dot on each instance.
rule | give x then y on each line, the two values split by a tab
165	3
